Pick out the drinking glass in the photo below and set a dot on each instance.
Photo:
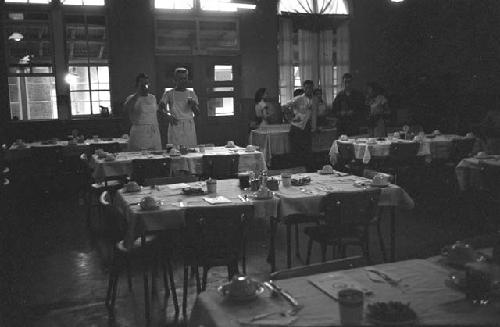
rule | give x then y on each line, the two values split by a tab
351	306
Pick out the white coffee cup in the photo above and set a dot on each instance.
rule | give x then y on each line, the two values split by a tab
230	143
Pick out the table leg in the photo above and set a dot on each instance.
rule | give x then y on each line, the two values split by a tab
393	234
271	257
146	286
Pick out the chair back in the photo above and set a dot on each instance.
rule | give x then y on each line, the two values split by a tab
47	159
149	168
221	166
170	180
215	236
462	148
403	151
107	147
319	268
351	208
346	152
490	180
370	173
115	223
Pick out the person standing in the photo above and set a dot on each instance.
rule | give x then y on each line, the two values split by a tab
142	110
300	135
181	105
262	112
349	108
378	110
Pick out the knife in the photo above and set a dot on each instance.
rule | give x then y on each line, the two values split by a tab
287	296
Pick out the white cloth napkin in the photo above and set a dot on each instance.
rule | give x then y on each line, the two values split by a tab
217	199
177	186
367	156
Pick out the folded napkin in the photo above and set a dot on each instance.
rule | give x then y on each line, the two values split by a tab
178	186
367	155
218	199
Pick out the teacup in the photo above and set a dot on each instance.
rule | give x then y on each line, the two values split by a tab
469	135
396	135
148	202
132	186
381	179
286	179
250	147
272	184
327	169
125	136
201	148
240	286
230	144
459	253
436	132
344	137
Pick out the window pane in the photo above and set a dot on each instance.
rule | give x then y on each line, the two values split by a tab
80	96
224	5
79	78
218	34
173	4
42	110
80	108
41	97
220	107
223	89
223	73
15	97
83	2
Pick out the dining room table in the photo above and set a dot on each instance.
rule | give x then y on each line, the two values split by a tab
468	171
428	286
192	162
432	147
273	140
18	151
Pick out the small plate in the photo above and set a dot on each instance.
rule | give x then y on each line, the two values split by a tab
322	172
243	298
378	185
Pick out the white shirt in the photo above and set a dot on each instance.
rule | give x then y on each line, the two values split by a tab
177	102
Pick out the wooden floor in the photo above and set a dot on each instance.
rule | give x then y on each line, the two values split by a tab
54	270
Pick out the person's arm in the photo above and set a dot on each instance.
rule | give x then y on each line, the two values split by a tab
130	104
165	109
193	103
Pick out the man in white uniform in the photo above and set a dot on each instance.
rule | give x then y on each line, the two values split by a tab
142	111
181	106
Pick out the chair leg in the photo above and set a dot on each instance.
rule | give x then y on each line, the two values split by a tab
129	272
323	252
297	250
381	242
198	283
172	287
309	250
185	292
112	283
288	245
204	279
165	281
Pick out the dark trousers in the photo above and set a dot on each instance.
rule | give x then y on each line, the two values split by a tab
301	145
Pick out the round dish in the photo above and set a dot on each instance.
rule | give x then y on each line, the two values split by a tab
378	185
392	323
241	298
322	172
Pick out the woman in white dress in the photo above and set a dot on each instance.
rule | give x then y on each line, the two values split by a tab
142	111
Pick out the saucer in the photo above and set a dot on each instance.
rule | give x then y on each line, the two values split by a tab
378	185
241	298
174	154
323	172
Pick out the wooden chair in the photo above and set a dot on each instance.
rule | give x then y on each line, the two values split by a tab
347	159
122	256
402	157
221	166
319	268
213	236
347	219
150	168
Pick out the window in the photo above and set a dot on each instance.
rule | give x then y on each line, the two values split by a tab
174	4
297	82
28	1
32	92
221	93
88	71
338	7
83	2
209	5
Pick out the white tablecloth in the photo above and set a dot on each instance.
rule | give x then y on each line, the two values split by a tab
422	285
273	140
469	174
191	162
15	152
439	147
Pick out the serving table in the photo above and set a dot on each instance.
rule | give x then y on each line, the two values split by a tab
273	139
468	171
434	148
422	284
191	162
16	152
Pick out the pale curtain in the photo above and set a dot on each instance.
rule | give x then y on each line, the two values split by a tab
286	59
308	56
342	50
326	49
